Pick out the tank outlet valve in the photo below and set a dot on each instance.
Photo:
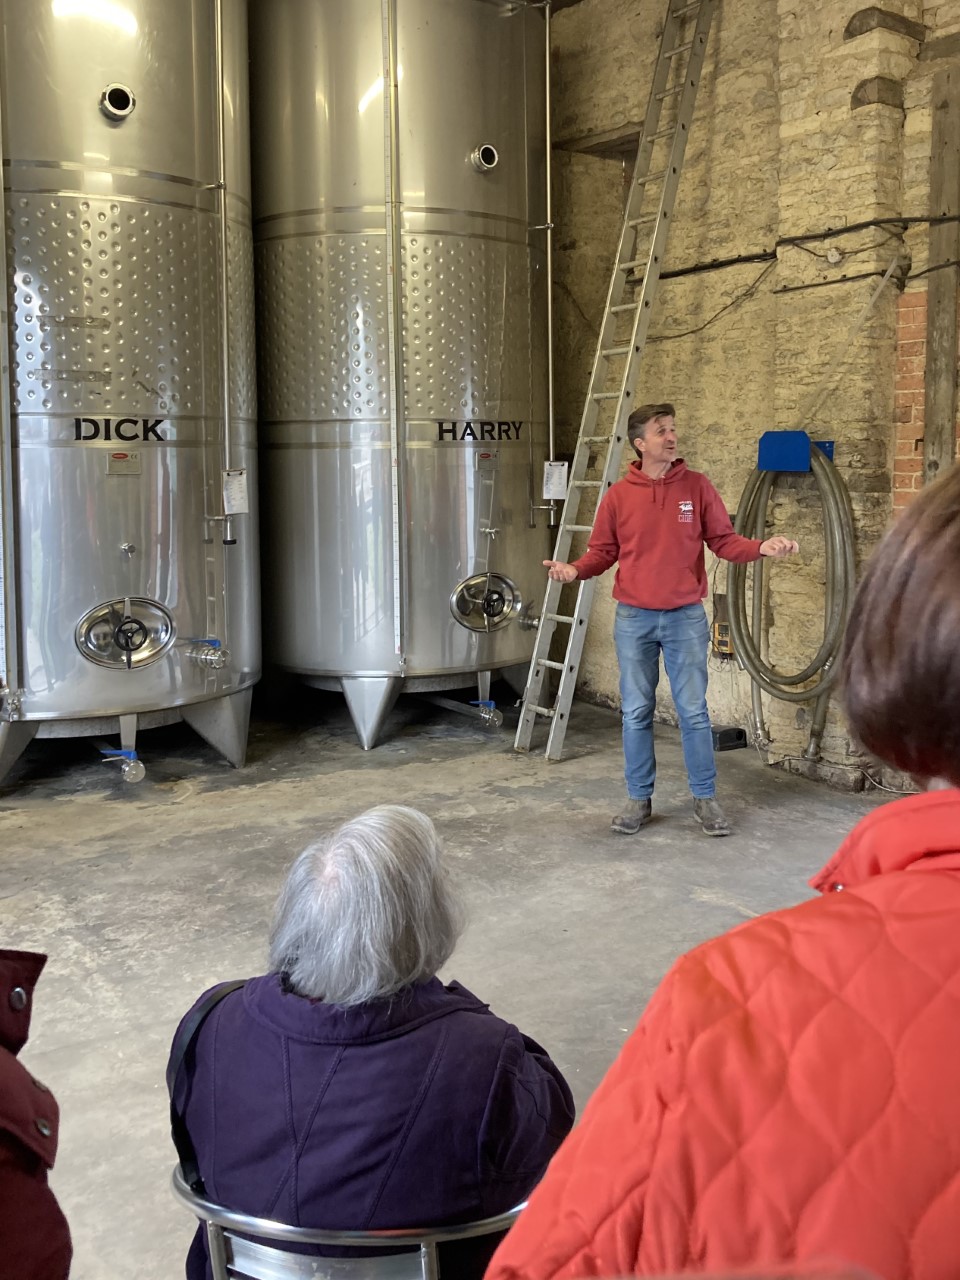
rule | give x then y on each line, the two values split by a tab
485	157
210	654
131	766
488	713
117	102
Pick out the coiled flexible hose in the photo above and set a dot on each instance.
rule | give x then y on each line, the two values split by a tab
746	632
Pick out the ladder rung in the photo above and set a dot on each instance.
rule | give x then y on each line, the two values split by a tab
578	528
542	711
685	9
651	177
595	439
545	662
624	306
560	617
616	351
671	93
605	395
662	133
639	222
681	48
583	484
631	266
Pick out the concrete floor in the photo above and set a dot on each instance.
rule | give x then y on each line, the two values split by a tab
144	895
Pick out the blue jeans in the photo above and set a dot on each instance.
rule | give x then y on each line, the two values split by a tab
682	634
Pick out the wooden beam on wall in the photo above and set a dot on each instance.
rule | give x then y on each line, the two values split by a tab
941	47
943	289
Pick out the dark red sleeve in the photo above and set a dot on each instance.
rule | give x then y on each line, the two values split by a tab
718	532
34	1236
603	549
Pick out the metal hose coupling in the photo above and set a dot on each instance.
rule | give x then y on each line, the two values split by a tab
210	654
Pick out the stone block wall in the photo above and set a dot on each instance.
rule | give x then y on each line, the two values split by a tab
806	151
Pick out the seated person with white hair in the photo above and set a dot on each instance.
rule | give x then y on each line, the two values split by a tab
349	1088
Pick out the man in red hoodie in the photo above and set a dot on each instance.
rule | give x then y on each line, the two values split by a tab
654	522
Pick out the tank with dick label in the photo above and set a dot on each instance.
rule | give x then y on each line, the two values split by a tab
399	166
129	590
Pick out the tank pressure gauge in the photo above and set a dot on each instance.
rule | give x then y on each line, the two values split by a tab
117	102
485	157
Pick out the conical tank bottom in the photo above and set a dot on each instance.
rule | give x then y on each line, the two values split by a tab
370	699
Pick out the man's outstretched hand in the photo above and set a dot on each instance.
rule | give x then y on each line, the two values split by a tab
778	548
560	571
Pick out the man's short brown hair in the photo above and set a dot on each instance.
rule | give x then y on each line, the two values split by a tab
901	658
637	422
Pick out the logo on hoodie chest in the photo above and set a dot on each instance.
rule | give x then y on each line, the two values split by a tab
685	512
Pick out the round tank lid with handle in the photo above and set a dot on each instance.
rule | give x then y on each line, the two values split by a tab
129	633
485	601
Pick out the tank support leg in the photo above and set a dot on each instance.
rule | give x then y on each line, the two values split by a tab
128	733
224	723
516	677
483	686
15	737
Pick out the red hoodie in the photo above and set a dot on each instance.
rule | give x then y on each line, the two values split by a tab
656	529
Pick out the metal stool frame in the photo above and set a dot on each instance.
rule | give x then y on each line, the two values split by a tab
227	1251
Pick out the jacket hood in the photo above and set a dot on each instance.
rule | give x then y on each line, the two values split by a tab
636	474
319	1023
918	832
656	488
19	971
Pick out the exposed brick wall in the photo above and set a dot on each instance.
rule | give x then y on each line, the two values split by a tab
908	396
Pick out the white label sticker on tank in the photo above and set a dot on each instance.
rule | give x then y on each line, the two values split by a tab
123	464
554	480
236	501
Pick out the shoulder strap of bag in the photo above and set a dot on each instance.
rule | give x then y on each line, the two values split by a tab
182	1045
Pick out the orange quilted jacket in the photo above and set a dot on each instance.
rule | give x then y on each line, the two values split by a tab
791	1093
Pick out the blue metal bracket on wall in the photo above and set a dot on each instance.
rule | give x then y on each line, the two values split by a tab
789	451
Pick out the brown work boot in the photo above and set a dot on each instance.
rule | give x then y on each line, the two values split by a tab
712	818
636	814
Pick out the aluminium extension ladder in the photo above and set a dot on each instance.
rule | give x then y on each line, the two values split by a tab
616	366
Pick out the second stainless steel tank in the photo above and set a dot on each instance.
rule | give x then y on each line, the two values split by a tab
399	202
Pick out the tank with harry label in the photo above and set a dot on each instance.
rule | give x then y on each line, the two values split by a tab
399	198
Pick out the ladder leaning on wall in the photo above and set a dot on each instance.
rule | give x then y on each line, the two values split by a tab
616	366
